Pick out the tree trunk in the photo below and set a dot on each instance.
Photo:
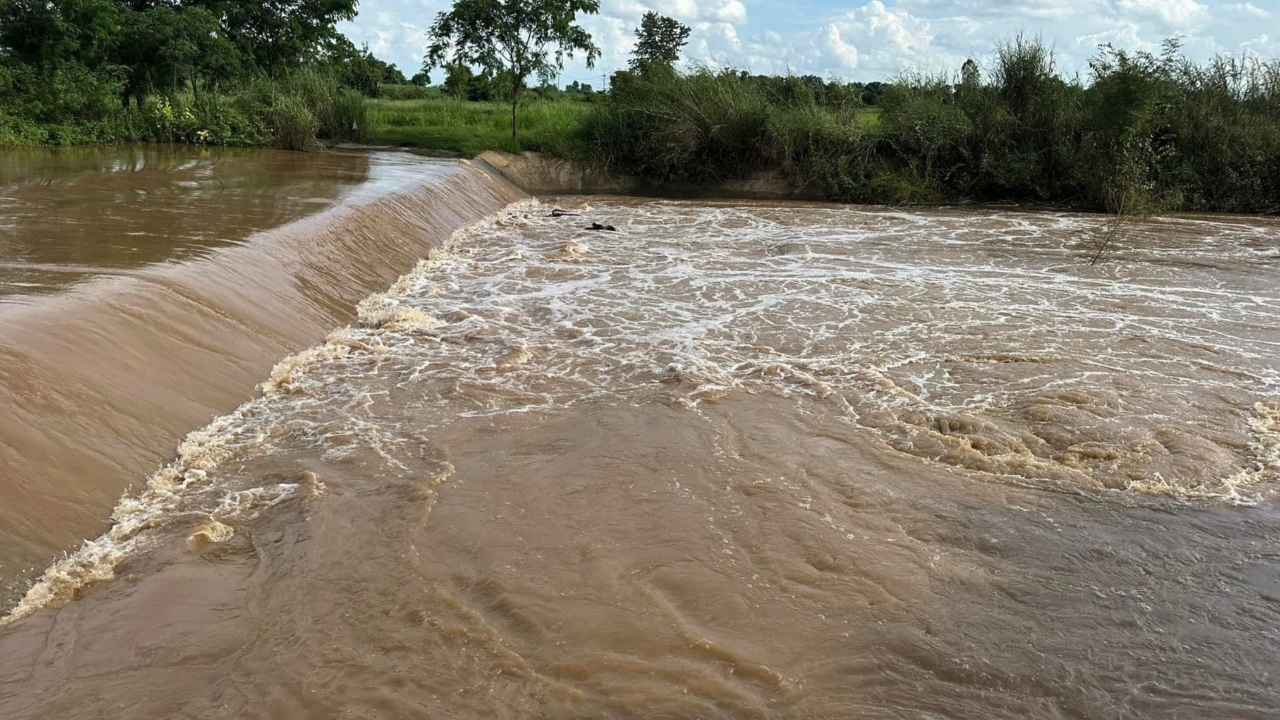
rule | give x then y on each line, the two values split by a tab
515	99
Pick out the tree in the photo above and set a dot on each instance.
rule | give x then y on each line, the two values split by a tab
970	76
278	34
357	68
165	47
392	75
49	32
659	41
517	37
871	93
457	80
421	79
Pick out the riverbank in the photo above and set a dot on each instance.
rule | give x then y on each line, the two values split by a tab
1145	135
294	111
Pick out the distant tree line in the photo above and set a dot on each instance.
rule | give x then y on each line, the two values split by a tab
64	63
154	45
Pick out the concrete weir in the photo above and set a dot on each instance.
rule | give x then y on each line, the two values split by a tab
538	174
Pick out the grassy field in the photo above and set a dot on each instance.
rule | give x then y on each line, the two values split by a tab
869	119
469	128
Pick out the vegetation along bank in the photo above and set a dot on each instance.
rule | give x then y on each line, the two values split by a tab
1142	132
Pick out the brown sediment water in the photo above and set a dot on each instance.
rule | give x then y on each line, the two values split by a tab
734	460
144	291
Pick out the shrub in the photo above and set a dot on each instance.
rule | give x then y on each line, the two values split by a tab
408	92
293	125
349	116
704	126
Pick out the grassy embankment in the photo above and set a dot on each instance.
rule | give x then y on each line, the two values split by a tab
1146	133
437	123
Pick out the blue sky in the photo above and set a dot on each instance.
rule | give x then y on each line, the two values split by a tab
875	39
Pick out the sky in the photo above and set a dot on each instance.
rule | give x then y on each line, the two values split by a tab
867	40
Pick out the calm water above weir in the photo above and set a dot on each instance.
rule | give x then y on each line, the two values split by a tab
734	460
75	213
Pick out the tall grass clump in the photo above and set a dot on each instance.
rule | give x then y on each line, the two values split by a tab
1225	135
332	111
1007	139
819	148
700	127
926	148
293	124
709	126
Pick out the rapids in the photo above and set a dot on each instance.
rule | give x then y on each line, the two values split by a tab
735	460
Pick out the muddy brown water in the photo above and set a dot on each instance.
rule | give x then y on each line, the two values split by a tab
145	291
733	461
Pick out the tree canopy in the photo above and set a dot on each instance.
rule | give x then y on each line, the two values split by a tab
158	45
518	38
658	42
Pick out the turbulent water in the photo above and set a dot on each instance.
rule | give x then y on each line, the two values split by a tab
733	460
144	291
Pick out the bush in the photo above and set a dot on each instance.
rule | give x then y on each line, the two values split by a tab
220	122
349	116
409	92
700	127
293	125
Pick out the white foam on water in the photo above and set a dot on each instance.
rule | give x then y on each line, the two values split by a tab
188	486
981	340
957	337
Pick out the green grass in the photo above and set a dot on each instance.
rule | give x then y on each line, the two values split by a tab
869	119
470	128
465	128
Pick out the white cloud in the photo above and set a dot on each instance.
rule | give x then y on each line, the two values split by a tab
1007	10
901	30
1248	10
1262	46
1178	14
844	54
1125	36
729	11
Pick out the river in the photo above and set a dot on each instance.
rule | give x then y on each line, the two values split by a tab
733	460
